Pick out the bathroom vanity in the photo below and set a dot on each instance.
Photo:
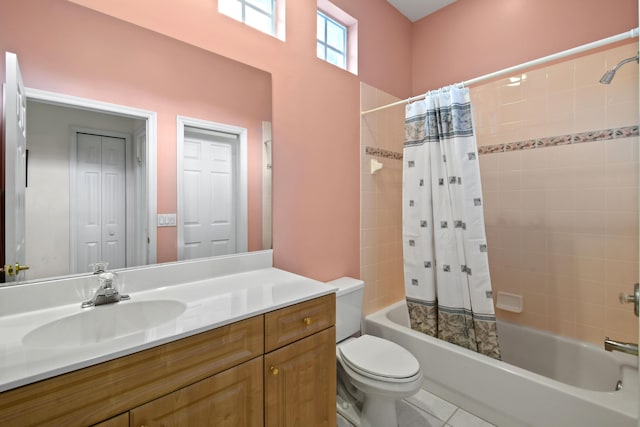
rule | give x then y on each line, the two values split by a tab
254	347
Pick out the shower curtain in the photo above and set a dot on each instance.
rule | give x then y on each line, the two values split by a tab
446	269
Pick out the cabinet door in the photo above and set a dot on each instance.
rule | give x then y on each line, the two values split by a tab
229	399
300	382
121	420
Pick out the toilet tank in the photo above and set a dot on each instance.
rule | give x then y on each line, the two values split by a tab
348	306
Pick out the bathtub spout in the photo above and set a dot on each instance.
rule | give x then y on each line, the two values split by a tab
625	347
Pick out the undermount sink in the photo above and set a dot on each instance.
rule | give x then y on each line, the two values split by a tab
103	323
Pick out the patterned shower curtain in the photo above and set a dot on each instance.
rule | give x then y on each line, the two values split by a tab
446	269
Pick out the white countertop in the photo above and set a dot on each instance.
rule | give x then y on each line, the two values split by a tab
210	303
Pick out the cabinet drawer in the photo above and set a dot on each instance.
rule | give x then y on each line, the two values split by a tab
290	324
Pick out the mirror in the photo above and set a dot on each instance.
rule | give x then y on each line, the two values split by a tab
91	56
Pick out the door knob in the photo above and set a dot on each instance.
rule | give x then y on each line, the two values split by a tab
12	269
632	298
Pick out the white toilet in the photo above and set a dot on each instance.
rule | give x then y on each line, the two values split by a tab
373	373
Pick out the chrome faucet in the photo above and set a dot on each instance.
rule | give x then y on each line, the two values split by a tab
625	347
106	292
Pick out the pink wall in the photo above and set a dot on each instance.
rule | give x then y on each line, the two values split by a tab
471	38
315	113
87	54
316	106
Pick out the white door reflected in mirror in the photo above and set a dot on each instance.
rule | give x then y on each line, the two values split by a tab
15	116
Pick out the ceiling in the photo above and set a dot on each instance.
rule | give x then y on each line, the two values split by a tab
418	9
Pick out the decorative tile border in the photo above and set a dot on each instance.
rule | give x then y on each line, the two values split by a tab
379	152
553	141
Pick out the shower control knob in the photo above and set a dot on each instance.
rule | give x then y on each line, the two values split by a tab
632	298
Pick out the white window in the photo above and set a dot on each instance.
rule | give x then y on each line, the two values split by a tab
331	40
337	36
259	14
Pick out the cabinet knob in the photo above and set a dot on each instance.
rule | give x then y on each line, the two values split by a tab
274	370
307	321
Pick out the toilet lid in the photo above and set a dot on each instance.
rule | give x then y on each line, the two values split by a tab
377	357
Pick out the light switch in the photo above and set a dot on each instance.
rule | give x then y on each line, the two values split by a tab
166	220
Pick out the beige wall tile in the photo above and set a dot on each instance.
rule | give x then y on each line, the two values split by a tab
560	200
590	334
590	291
588	177
589	199
622	248
578	210
621	272
562	327
621	174
562	222
381	205
622	199
620	324
509	161
509	200
590	222
590	268
534	160
589	314
622	151
589	69
622	223
622	114
589	154
559	178
594	95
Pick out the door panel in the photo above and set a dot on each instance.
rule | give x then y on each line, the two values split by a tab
114	201
15	116
101	198
209	182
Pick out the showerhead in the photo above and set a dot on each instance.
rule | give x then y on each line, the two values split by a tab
609	75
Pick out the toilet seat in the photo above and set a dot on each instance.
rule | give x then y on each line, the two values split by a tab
379	359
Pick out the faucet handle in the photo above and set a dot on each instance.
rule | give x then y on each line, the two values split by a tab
106	280
99	267
632	298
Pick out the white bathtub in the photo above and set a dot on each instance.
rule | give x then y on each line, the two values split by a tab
582	393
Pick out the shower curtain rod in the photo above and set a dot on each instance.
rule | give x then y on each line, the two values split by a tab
585	47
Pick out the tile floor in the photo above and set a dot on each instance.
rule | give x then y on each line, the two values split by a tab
428	410
425	409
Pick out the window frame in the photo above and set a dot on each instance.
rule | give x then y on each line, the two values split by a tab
325	44
243	9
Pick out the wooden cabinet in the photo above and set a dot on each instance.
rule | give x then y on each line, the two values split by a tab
229	399
292	323
121	420
94	394
299	375
297	378
216	378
